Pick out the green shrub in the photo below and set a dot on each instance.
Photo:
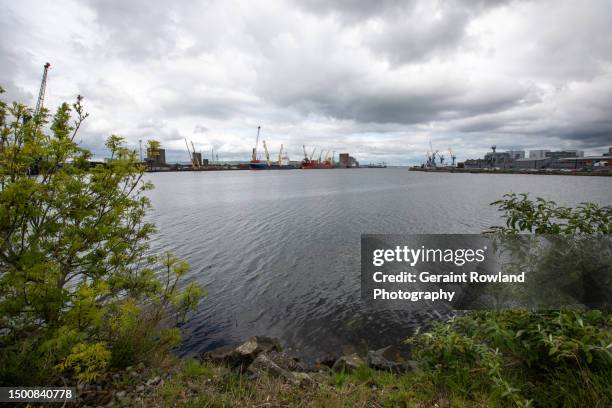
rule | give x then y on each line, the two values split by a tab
516	354
78	292
516	357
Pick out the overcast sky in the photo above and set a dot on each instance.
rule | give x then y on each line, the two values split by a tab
378	79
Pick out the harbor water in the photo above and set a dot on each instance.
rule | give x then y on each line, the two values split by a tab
279	251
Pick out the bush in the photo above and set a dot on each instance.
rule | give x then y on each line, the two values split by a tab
553	358
515	356
78	291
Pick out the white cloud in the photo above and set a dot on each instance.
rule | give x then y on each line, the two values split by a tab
378	79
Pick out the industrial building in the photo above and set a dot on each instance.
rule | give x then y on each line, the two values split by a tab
346	161
565	153
197	158
532	163
156	159
516	154
538	154
541	159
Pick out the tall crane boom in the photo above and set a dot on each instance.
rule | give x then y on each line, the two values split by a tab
196	162
41	92
254	155
280	155
189	151
267	153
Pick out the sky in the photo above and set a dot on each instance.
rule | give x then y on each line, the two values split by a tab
382	80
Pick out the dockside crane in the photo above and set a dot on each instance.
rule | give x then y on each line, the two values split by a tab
254	154
280	155
312	153
266	152
194	162
41	92
431	156
197	163
452	156
188	152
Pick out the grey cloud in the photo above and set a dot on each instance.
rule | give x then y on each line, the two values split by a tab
407	31
12	61
375	77
381	102
200	129
137	28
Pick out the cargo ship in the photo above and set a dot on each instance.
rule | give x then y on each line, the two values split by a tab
283	162
256	164
321	163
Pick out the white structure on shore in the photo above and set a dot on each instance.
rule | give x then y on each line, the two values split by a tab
538	154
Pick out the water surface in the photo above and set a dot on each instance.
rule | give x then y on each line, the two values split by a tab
278	251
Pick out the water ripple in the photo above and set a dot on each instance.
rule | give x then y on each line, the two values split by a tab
279	251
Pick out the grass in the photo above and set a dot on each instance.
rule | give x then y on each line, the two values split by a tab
202	384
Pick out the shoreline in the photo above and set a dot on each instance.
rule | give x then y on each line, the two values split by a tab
509	171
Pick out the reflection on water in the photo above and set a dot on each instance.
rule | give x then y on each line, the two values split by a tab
278	251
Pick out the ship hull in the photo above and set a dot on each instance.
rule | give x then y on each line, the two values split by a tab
258	166
312	166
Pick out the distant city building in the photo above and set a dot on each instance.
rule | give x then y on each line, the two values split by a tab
474	164
565	153
538	154
541	159
582	162
343	160
500	160
531	163
516	154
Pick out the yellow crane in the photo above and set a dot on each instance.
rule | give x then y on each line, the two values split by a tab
197	159
194	162
280	155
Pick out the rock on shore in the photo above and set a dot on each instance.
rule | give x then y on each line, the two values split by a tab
260	353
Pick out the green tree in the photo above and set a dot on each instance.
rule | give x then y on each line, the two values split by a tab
79	289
